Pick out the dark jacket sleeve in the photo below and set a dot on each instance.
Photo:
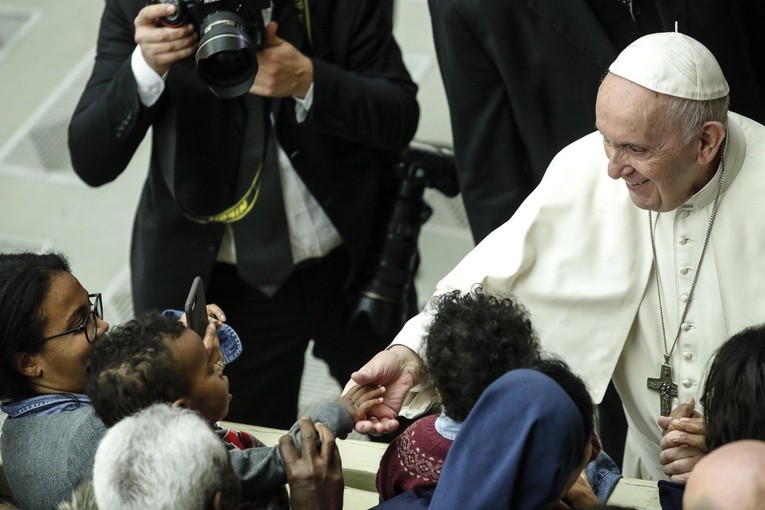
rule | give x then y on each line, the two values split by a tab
365	94
109	121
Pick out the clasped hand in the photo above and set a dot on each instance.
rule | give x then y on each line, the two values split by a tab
397	369
683	443
314	472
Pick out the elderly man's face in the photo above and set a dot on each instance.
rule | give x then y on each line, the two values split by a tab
660	171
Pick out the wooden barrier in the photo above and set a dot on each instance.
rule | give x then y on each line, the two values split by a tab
362	458
360	462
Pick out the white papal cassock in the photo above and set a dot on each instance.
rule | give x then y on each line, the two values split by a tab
577	253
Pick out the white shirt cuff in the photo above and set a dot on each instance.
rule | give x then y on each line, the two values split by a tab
150	84
302	105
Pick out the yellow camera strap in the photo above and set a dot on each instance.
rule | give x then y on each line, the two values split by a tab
304	15
234	213
245	204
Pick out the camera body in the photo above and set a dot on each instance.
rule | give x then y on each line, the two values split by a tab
231	32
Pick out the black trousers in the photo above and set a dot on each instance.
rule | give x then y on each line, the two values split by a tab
275	331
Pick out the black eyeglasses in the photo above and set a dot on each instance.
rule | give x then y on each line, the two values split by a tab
89	325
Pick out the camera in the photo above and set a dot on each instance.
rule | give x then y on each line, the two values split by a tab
230	34
387	298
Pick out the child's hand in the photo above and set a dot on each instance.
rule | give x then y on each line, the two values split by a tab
212	344
214	312
360	399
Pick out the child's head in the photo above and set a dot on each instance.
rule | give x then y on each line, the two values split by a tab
153	359
735	389
559	371
474	339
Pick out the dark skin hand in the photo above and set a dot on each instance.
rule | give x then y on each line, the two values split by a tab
358	400
315	472
683	443
399	369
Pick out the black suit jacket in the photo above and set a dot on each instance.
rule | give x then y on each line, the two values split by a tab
364	112
521	78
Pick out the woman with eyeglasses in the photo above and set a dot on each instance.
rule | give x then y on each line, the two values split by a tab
48	323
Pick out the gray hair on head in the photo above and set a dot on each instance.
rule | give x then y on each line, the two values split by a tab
690	114
162	457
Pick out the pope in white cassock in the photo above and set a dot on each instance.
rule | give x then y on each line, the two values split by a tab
639	254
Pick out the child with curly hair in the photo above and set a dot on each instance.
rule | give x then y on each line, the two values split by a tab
156	358
473	340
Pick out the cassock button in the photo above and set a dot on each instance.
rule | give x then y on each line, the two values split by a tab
685	326
684	298
685	214
687	383
682	240
683	270
688	355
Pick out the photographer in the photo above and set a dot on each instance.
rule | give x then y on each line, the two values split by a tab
273	196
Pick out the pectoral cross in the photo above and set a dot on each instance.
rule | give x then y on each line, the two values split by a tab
666	388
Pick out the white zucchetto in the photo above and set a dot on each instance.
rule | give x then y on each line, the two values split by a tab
674	64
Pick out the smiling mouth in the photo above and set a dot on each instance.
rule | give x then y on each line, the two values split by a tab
636	184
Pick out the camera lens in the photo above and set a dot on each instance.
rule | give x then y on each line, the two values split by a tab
179	17
226	57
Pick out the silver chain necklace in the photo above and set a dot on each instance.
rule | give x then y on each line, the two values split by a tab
664	384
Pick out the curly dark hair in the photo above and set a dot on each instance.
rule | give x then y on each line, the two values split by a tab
735	390
133	366
25	279
474	339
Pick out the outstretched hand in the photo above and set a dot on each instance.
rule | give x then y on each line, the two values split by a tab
359	399
684	441
315	473
398	370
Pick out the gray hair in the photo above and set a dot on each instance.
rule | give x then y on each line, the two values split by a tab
690	114
162	457
82	498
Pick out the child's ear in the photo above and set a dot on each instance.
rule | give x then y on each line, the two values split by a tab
181	402
26	364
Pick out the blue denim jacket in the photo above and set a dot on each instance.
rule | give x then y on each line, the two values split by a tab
603	474
45	404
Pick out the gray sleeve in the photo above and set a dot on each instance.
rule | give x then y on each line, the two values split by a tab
330	414
82	446
259	469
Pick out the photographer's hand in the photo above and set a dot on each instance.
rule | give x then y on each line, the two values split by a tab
161	46
282	70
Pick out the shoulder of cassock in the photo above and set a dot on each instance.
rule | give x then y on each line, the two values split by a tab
577	254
